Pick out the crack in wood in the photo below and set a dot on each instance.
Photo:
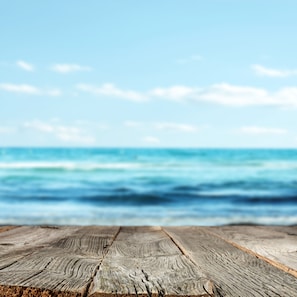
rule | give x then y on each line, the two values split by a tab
158	286
148	290
145	275
217	291
136	293
8	265
90	283
161	291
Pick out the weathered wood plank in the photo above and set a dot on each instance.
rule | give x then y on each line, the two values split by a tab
276	245
61	262
22	241
233	272
145	262
6	228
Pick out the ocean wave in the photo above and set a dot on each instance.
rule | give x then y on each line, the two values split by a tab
68	166
271	200
194	165
174	186
93	166
128	199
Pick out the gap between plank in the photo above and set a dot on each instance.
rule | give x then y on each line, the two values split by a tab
183	252
86	293
177	245
263	258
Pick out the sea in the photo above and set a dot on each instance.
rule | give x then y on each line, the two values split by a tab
127	186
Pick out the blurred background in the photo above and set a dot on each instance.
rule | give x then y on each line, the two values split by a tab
148	113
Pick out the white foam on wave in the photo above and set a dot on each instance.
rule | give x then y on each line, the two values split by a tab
280	165
89	166
81	214
68	165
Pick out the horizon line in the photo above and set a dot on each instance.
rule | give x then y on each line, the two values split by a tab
149	147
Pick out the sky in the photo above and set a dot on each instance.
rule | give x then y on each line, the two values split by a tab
216	73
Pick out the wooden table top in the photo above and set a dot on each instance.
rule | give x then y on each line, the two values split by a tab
58	261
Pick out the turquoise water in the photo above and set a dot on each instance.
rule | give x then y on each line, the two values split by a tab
147	186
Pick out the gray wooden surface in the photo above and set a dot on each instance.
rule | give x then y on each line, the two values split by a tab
241	261
276	245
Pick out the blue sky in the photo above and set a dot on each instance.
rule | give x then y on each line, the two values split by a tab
148	73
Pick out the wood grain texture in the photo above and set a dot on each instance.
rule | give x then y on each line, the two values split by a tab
22	241
91	261
276	245
145	262
60	262
233	272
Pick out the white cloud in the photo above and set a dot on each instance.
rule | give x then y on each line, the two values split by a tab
112	91
263	71
73	134
167	126
21	88
28	89
287	96
227	94
222	94
63	133
39	126
67	68
151	140
262	130
175	127
25	66
174	92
